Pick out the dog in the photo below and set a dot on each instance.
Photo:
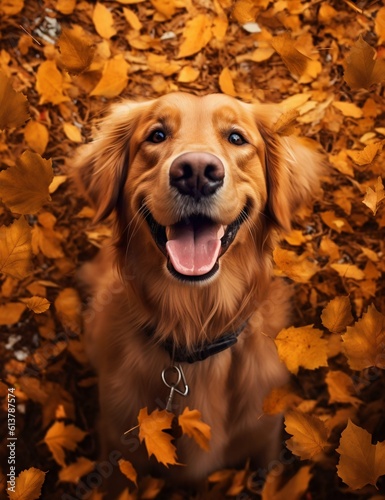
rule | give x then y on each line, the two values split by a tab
199	189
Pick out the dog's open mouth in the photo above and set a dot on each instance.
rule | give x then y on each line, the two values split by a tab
194	244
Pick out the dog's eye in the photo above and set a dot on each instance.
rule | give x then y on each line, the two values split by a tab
236	139
157	136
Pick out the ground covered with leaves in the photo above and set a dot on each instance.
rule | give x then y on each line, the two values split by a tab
61	64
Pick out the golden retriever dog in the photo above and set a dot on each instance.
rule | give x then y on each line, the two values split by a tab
199	188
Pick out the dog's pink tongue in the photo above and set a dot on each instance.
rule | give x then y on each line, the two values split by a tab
193	251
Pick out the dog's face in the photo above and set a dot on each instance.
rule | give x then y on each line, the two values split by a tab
204	173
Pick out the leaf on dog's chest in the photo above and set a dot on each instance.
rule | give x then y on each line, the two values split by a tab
303	346
151	431
192	425
297	267
309	434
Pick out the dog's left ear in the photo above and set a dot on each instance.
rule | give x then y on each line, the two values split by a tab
293	168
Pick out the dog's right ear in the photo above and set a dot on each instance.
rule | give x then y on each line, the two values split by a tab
100	167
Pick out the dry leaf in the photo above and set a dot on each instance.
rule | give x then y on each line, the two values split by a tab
348	109
188	74
294	489
366	155
361	462
15	249
60	437
196	34
50	84
11	7
295	61
309	434
160	64
158	443
226	83
103	21
303	346
341	388
374	197
132	19
37	136
166	8
364	343
339	224
11	312
349	271
297	267
28	485
57	181
280	399
36	304
72	132
192	425
73	472
69	309
362	69
244	11
114	78
76	49
66	7
13	105
24	187
128	470
337	315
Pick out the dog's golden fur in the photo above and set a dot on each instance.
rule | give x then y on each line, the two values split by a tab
138	303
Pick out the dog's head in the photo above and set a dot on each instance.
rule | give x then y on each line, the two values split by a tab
193	177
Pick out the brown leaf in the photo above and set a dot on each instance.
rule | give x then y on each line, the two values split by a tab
294	489
13	105
11	312
24	187
68	309
341	388
366	155
339	224
76	49
297	267
362	69
361	462
374	197
309	434
36	304
196	34
280	399
192	425
128	470
295	61
37	136
364	343
15	249
28	485
73	472
337	315
60	437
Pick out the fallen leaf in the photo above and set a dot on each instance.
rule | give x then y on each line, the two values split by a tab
158	443
337	315
349	271
69	309
60	437
76	49
339	224
341	388
295	61
37	136
72	132
11	312
294	489
11	7
361	462
66	7
103	21
244	11
188	74
16	249
302	346
24	187
50	84
348	109
13	105
226	83
166	8
297	267
362	69
374	197
309	434
132	19
128	470
57	181
196	34
36	304
192	425
73	472
366	155
114	78
364	342
28	485
280	399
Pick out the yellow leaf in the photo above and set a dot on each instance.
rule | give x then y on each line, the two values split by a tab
302	347
295	61
160	64
10	313
24	187
15	249
28	485
13	105
374	197
50	84
103	21
339	224
72	132
192	425
349	271
59	437
297	267
294	489
76	49
309	434
362	69
36	134
128	470
196	34
72	473
57	181
132	19
337	314
341	388
219	27
165	7
348	109
158	443
36	304
114	78
66	7
226	83
361	462
366	155
188	74
69	309
364	343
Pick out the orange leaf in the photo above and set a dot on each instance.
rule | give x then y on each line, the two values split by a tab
341	388
337	314
297	267
158	443
114	78
364	343
348	109
192	425
76	49
36	304
309	434
374	197
72	473
13	105
196	34
50	84
28	485
226	82
294	489
36	134
295	61
128	470
366	155
361	462
15	249
11	312
65	6
69	309
349	271
59	437
302	347
362	69
103	21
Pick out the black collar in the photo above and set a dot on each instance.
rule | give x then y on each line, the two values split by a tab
204	350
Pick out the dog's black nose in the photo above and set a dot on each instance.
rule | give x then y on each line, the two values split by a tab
197	174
